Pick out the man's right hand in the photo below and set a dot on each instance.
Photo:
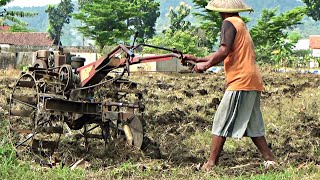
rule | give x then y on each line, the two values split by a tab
189	59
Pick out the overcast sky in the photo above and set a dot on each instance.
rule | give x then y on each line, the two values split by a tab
28	3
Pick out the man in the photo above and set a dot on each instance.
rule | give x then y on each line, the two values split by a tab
239	112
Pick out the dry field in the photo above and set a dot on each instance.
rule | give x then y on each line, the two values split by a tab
178	117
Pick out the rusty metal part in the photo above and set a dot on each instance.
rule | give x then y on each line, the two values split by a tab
31	128
23	103
43	54
59	60
61	105
77	62
60	94
66	77
40	64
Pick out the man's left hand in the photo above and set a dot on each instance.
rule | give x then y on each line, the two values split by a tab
200	67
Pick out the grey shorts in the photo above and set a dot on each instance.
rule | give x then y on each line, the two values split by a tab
239	115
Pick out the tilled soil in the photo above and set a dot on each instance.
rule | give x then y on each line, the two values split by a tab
178	120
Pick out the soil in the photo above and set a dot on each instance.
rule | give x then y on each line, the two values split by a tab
178	120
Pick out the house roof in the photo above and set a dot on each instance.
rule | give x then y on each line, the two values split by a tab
26	38
4	28
314	41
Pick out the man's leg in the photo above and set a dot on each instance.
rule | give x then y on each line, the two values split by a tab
217	143
262	145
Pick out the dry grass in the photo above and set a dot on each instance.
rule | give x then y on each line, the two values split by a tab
178	124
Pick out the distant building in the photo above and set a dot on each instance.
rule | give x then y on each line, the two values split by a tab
11	44
25	39
302	44
4	28
315	45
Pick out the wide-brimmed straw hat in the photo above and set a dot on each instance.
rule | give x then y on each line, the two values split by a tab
228	6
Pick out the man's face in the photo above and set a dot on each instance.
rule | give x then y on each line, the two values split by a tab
221	15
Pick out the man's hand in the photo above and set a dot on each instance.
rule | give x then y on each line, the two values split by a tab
190	57
200	67
189	60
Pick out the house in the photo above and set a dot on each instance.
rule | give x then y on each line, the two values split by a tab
302	44
4	28
315	45
25	39
17	48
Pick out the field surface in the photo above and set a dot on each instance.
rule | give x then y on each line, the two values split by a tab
178	118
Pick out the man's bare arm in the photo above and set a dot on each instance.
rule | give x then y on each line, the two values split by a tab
213	59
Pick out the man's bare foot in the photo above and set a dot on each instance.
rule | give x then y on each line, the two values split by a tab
207	166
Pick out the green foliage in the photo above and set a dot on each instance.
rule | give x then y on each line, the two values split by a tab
82	2
300	58
282	53
19	28
12	168
294	36
107	21
270	33
58	16
313	8
177	18
183	41
210	24
145	22
4	2
12	17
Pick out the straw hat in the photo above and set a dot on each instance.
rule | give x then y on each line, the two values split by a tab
228	6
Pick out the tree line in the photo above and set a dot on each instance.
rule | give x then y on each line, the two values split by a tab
109	22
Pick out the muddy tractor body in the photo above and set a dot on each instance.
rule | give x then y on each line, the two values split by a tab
57	96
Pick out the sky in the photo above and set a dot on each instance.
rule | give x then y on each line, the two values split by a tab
29	3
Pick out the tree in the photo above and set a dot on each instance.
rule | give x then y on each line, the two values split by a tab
210	24
184	41
58	16
270	34
105	21
177	18
82	3
4	2
6	15
145	22
313	8
18	28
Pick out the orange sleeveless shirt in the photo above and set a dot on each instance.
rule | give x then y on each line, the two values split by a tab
241	70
